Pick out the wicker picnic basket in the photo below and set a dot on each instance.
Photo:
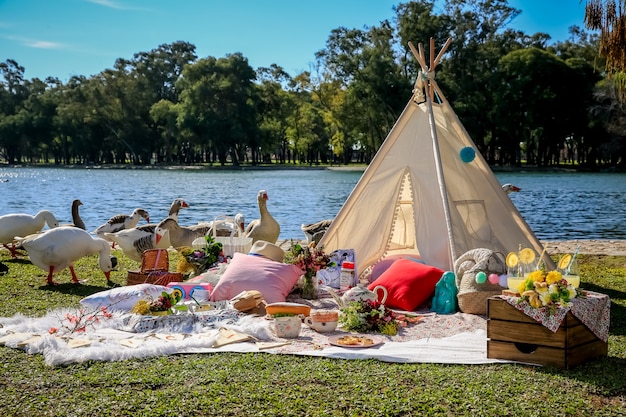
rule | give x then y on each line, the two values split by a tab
472	296
154	269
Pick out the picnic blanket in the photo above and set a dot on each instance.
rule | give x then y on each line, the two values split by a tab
454	339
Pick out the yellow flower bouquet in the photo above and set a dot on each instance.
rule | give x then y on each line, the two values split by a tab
547	290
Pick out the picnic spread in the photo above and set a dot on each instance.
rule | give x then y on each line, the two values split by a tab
255	304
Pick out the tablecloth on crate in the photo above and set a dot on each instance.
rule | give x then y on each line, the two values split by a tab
594	311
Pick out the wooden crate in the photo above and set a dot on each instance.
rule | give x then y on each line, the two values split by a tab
512	335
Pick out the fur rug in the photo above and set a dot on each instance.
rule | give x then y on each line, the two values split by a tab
455	338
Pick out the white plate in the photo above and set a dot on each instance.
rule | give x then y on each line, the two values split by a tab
377	341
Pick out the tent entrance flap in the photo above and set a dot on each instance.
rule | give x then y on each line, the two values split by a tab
402	237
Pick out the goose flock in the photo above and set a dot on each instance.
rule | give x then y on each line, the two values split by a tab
60	245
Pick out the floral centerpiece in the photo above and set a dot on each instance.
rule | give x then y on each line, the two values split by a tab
199	260
367	316
309	259
547	290
161	305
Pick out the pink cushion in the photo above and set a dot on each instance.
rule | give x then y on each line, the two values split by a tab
247	272
409	284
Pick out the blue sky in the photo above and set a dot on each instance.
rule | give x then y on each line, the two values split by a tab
62	38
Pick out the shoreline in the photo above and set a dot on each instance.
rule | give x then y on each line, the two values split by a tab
608	247
338	167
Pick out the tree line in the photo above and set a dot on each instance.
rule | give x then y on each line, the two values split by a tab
521	97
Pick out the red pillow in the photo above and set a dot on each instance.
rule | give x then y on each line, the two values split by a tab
409	284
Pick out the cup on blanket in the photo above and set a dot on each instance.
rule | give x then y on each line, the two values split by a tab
287	326
322	320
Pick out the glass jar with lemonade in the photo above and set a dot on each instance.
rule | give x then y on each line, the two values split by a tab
519	265
568	267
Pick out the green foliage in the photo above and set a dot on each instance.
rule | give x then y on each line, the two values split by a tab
166	106
234	384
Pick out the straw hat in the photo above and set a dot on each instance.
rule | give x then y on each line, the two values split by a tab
267	250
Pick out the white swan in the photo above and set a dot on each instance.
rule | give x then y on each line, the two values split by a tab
58	248
266	228
19	224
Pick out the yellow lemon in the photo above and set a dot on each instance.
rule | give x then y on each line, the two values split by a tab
527	255
565	261
512	260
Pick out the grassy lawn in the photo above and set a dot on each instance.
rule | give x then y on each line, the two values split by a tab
232	384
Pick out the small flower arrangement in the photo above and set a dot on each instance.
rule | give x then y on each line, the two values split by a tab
309	259
78	323
369	315
164	302
547	290
199	260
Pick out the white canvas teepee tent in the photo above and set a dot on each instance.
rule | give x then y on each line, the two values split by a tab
418	197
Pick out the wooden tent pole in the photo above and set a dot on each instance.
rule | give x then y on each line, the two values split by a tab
440	54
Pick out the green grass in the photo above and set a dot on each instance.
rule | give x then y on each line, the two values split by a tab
231	384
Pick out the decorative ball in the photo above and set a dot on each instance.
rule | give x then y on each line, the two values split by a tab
494	278
481	277
504	280
467	154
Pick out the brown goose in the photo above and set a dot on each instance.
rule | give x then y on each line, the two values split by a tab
315	231
179	235
121	222
266	228
77	221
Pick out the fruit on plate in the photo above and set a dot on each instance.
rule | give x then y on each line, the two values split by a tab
527	255
287	308
355	340
565	261
512	260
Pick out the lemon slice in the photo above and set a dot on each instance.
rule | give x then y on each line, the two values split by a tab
565	261
527	255
512	260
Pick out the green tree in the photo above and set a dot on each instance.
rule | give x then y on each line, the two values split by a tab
217	97
539	101
13	93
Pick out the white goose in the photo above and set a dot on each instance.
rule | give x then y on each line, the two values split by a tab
121	222
18	224
510	188
266	228
134	242
57	249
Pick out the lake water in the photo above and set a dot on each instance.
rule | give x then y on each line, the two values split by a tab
557	205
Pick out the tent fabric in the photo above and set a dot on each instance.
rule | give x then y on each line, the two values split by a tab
401	206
